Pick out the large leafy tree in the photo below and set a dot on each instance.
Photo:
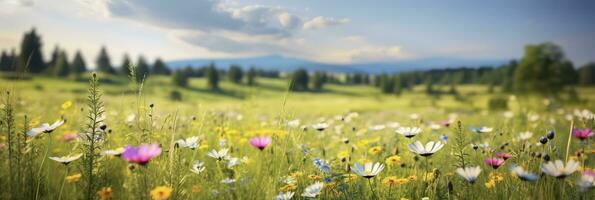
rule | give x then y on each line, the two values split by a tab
31	57
543	69
103	62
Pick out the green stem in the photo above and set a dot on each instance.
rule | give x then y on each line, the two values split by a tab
63	181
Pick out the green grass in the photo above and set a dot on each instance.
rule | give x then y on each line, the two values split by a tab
237	112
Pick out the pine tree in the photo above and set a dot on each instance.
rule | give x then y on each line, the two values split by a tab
54	56
31	57
160	68
299	80
78	64
318	80
235	74
103	62
587	74
212	77
386	84
125	67
61	67
180	79
251	76
4	62
142	70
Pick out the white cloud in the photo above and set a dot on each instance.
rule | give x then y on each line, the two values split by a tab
323	22
288	20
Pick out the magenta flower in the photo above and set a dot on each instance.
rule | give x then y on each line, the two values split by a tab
141	154
582	133
503	155
68	137
494	162
260	142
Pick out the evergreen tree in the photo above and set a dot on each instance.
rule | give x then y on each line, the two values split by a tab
235	74
31	57
587	74
543	69
142	70
299	80
104	63
251	76
125	67
212	77
386	84
54	56
61	67
160	68
318	80
180	79
4	62
397	87
78	64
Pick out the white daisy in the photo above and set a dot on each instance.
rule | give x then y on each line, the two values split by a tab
66	159
198	167
313	190
219	155
45	128
558	169
469	173
483	129
320	126
408	132
294	123
113	152
228	181
191	142
369	170
284	196
430	148
525	135
231	162
377	127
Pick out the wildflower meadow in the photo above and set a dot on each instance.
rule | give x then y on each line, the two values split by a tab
103	145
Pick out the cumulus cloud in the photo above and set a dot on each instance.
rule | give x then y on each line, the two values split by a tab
323	22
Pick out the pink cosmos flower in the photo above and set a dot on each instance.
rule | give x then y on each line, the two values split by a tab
503	155
260	142
141	154
494	162
582	133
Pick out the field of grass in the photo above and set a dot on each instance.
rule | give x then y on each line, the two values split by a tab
316	137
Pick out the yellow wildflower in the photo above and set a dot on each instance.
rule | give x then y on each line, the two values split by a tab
375	150
343	154
490	184
288	187
314	177
412	178
402	181
66	105
73	178
393	160
105	193
296	174
161	193
390	181
349	177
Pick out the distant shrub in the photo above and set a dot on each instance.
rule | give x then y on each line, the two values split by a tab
498	103
175	95
38	87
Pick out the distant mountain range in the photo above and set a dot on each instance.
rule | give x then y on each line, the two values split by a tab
284	64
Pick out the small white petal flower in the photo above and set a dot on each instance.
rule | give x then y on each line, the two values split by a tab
66	159
558	169
430	148
219	155
320	126
228	181
408	132
197	167
44	128
284	196
113	152
191	142
469	173
369	170
231	162
313	190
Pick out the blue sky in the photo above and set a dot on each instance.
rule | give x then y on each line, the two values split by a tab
329	31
